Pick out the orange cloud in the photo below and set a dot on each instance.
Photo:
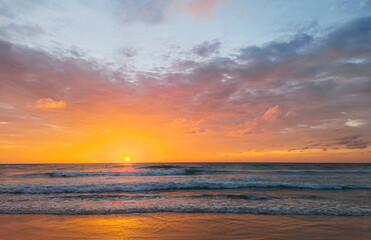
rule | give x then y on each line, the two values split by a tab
271	114
189	126
274	113
183	122
48	103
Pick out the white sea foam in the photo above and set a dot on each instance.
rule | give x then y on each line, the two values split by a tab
150	186
303	189
187	205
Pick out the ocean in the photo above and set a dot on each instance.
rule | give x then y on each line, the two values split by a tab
240	188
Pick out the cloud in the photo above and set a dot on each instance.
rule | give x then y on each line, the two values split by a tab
48	103
302	84
189	126
351	36
129	52
20	31
15	9
147	11
206	49
259	124
274	113
355	123
351	142
184	122
195	131
276	51
347	138
156	11
302	149
347	141
326	124
204	9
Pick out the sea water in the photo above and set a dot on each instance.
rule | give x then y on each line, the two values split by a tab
245	188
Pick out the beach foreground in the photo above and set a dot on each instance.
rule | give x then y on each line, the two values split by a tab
185	201
183	226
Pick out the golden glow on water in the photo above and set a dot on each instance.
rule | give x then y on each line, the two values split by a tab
181	226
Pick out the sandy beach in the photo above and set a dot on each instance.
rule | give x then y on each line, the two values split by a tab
182	226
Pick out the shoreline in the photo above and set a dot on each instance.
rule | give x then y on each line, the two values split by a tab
182	226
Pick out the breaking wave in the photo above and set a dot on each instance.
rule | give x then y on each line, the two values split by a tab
325	210
153	186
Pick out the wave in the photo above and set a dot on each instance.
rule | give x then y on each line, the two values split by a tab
163	170
199	208
312	172
167	186
158	172
162	166
196	171
63	174
236	196
104	196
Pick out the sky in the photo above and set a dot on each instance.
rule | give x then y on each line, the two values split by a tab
178	81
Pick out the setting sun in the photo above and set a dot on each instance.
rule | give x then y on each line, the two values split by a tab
127	159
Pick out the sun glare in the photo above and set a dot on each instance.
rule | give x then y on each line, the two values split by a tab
125	159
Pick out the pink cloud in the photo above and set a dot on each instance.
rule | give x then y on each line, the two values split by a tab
271	114
257	125
184	122
274	113
204	9
198	9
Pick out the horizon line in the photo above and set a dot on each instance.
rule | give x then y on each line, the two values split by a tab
125	163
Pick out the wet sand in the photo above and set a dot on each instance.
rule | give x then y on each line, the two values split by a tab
183	226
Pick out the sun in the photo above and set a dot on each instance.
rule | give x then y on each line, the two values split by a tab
126	158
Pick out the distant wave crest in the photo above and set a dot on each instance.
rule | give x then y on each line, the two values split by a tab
64	174
151	186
